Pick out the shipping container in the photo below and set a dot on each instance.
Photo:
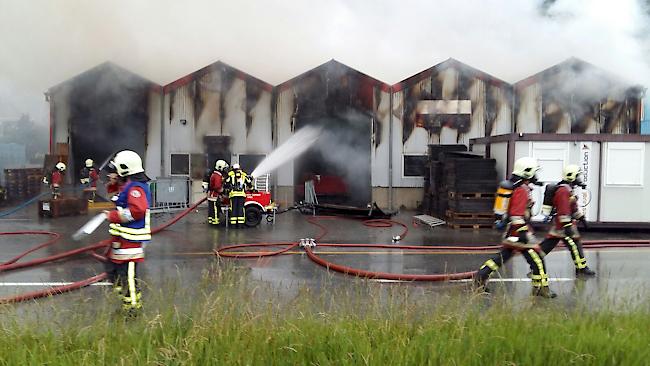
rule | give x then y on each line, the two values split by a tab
615	170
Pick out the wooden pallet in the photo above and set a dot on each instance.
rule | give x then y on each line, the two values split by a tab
62	206
470	215
469	226
470	195
100	206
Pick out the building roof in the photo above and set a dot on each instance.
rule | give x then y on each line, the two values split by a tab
105	67
328	65
449	63
578	66
214	67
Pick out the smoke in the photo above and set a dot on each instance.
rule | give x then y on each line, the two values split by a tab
43	43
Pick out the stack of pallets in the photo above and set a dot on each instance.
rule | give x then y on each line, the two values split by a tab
471	184
435	199
23	183
62	206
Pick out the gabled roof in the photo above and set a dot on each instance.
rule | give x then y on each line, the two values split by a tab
214	67
579	66
449	63
329	65
105	67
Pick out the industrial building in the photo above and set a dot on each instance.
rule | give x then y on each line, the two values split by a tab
374	135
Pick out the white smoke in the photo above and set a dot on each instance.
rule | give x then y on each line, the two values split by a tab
43	43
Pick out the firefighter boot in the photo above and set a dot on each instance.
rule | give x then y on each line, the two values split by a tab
585	272
480	279
544	292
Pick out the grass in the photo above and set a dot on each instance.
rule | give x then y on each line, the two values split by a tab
225	318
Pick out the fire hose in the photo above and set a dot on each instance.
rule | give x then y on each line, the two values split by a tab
229	251
14	263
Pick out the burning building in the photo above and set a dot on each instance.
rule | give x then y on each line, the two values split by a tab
101	111
449	103
351	156
374	136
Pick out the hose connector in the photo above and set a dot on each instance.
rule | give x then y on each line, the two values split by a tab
307	242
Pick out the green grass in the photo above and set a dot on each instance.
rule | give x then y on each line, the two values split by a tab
227	319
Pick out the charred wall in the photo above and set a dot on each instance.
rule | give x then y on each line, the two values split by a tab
343	102
108	111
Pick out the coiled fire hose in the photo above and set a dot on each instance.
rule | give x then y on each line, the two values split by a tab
235	251
14	263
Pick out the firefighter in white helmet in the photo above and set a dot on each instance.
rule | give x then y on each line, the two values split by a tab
237	183
566	214
130	227
518	236
88	178
213	186
56	179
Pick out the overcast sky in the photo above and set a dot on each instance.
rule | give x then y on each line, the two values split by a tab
45	42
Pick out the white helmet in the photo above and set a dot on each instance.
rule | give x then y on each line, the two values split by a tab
127	163
570	173
60	166
221	165
236	166
525	167
89	163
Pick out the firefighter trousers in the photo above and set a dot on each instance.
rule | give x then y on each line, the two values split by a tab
125	284
237	216
575	248
534	259
213	211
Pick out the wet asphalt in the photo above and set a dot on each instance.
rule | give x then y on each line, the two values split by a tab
185	251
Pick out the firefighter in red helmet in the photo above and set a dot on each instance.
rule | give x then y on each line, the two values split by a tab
518	236
564	205
130	227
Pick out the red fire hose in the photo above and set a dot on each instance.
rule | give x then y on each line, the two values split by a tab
14	264
227	251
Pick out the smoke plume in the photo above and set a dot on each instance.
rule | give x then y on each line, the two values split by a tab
45	42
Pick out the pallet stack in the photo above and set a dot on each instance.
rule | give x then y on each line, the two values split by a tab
23	183
471	184
62	206
435	190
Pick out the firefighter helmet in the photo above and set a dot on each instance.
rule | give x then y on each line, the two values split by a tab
570	173
525	167
221	165
127	163
60	166
89	163
236	166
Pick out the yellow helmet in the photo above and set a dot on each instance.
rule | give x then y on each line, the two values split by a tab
525	167
570	173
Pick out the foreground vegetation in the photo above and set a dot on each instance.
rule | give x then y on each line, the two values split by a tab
225	319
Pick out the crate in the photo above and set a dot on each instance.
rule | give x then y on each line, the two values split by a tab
471	205
435	151
457	226
62	206
453	195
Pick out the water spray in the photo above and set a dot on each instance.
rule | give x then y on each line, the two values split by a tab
295	146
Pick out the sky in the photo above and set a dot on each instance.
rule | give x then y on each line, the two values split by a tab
44	42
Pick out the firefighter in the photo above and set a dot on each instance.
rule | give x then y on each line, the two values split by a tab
213	185
564	226
130	227
237	183
56	179
88	179
518	236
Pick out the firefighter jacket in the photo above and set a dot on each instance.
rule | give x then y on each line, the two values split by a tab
519	211
237	182
566	209
89	176
56	179
215	184
130	224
